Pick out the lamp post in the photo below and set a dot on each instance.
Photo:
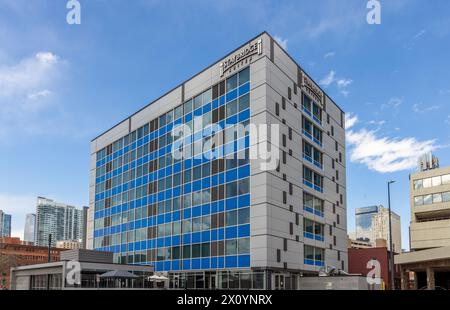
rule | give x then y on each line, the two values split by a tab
391	254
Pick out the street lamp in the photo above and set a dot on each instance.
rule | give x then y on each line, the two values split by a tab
391	263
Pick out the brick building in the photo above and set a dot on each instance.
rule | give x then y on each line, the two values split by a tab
14	252
358	259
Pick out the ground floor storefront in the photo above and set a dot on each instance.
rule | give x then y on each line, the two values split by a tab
236	279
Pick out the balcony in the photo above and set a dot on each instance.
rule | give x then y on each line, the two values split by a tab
310	114
313	211
314	162
313	186
313	236
313	262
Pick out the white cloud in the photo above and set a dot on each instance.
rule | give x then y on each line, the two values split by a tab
329	55
350	120
328	79
393	103
282	42
412	42
345	93
40	94
419	108
18	207
28	75
377	123
420	33
343	83
47	57
448	120
25	93
385	154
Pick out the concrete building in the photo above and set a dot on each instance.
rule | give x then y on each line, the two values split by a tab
69	244
97	271
29	234
64	222
5	224
429	258
372	223
359	244
233	220
14	252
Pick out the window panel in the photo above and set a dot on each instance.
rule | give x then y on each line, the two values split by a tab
244	76
446	179
436	181
231	83
437	198
231	247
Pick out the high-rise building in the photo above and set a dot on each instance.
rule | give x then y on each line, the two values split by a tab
62	221
372	223
203	207
5	224
429	228
29	234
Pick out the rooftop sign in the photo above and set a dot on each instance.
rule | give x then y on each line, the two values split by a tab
251	49
312	89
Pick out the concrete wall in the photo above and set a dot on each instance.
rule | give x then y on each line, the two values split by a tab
334	283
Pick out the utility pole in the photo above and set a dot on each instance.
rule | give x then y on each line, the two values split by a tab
49	258
391	254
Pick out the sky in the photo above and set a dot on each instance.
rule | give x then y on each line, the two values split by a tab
61	85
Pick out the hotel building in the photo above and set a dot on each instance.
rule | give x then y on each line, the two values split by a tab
226	221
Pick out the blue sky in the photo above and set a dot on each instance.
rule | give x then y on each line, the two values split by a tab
61	85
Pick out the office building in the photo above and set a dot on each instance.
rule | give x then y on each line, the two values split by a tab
5	224
209	211
372	223
29	234
429	258
62	221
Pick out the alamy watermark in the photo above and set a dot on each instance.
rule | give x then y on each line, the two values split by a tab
74	15
213	142
374	14
73	273
374	275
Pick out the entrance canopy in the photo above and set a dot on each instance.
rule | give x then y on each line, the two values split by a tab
118	274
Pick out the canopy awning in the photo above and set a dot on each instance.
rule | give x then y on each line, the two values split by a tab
118	274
